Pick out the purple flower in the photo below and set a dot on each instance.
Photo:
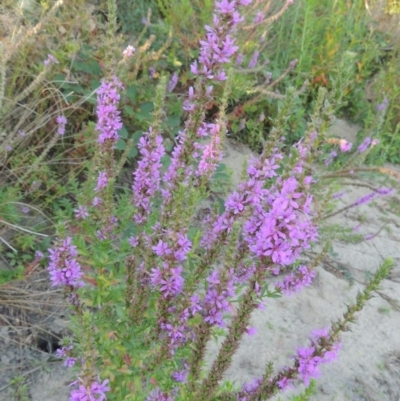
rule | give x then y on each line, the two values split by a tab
63	268
225	6
338	195
25	209
292	283
251	331
284	383
345	146
50	60
194	304
133	241
383	106
320	333
108	116
158	395
259	17
102	181
254	59
81	212
173	82
69	362
330	158
147	176
239	59
308	364
95	392
364	145
96	201
162	249
61	121
212	152
181	375
128	52
309	359
372	195
216	299
8	148
39	255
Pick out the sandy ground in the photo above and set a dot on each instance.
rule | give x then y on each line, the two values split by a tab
368	368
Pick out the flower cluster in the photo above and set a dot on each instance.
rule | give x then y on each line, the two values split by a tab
294	282
367	198
216	298
310	358
216	50
109	119
248	389
282	228
212	154
249	196
158	395
96	391
128	52
168	277
50	60
62	122
64	352
345	146
147	175
63	267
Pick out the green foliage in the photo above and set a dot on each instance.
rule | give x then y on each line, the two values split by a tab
7	275
19	389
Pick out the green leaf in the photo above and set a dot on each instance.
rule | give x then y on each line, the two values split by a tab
221	167
146	107
129	110
136	136
121	144
174	121
133	152
91	67
131	92
123	133
166	161
221	205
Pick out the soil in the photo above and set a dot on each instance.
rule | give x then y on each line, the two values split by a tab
368	367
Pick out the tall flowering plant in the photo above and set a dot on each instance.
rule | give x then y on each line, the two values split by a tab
149	285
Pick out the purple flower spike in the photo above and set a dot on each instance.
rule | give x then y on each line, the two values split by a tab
63	267
108	115
173	82
364	145
147	175
303	277
102	181
254	59
62	122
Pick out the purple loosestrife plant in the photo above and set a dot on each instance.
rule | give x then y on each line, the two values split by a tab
160	281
